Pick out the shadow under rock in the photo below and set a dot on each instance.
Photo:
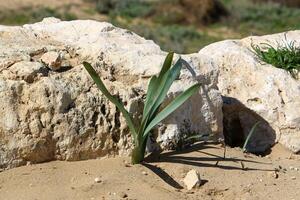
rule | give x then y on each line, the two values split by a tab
238	120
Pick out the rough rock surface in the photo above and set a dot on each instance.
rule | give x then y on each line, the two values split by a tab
59	114
253	91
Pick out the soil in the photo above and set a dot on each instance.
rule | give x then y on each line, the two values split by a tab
238	176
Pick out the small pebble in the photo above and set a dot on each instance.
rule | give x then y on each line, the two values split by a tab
144	173
293	178
52	60
123	195
98	180
192	179
273	174
127	165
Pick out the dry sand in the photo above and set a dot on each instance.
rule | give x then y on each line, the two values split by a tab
159	177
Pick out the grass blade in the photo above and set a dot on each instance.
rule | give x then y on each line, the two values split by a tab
250	135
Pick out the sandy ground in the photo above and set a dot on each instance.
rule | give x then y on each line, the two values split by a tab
160	177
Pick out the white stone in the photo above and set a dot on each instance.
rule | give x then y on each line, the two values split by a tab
98	180
192	179
253	91
144	173
273	174
52	60
62	115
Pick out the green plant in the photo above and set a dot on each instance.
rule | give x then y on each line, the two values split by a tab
250	135
182	39
124	8
249	18
285	57
30	15
156	93
104	6
132	9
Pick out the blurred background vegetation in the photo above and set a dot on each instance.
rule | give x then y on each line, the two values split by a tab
183	26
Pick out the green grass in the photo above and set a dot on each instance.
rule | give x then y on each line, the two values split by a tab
249	18
166	29
124	8
173	37
284	56
31	15
132	9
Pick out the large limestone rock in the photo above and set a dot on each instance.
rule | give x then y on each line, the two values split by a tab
50	108
253	91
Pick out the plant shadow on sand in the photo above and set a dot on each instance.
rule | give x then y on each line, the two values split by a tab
210	160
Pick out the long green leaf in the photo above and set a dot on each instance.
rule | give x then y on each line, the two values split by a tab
104	90
160	93
170	78
154	85
167	64
159	90
163	84
178	101
150	93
